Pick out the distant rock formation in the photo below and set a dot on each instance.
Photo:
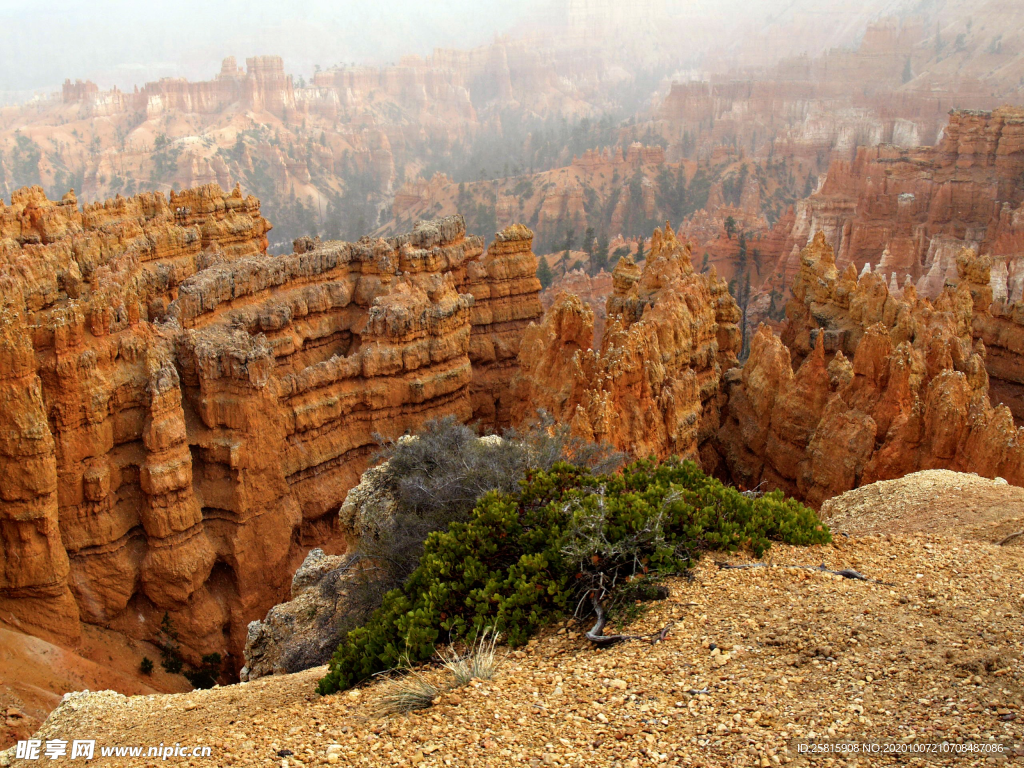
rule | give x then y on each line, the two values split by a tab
909	211
183	413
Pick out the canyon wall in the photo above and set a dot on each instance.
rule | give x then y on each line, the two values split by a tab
889	383
652	385
908	212
185	412
906	215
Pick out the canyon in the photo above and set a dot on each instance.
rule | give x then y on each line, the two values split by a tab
324	156
153	344
800	267
184	413
873	374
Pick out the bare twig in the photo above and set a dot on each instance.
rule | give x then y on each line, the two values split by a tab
1010	538
846	573
755	492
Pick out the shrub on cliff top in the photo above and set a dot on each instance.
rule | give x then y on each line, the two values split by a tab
435	480
526	557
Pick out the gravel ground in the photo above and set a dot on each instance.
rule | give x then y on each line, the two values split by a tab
931	501
755	659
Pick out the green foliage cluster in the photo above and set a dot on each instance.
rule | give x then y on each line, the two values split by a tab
170	650
544	273
203	676
206	674
524	558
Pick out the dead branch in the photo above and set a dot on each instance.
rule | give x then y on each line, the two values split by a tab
846	573
604	641
1010	538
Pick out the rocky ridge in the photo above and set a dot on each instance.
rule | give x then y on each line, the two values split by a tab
185	413
888	384
865	382
652	386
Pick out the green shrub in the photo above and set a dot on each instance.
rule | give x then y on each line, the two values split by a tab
207	673
170	650
435	480
524	558
146	666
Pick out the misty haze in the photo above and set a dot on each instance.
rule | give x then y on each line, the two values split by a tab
574	383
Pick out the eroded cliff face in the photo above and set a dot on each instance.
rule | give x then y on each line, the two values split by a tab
889	384
97	498
909	212
865	383
652	385
185	413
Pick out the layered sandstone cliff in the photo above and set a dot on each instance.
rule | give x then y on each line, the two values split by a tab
184	413
652	385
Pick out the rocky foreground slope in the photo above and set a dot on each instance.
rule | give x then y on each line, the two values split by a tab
927	651
181	414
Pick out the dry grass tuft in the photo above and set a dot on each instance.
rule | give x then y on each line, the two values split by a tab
480	663
405	694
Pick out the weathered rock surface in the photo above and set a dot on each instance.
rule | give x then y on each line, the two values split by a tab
888	385
302	631
592	291
183	414
652	386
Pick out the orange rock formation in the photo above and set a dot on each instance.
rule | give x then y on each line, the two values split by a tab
183	413
593	291
652	387
887	382
891	384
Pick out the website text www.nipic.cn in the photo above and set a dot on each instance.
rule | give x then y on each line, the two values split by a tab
85	749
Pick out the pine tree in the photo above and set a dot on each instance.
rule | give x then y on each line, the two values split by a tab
570	238
544	273
600	260
170	651
588	242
